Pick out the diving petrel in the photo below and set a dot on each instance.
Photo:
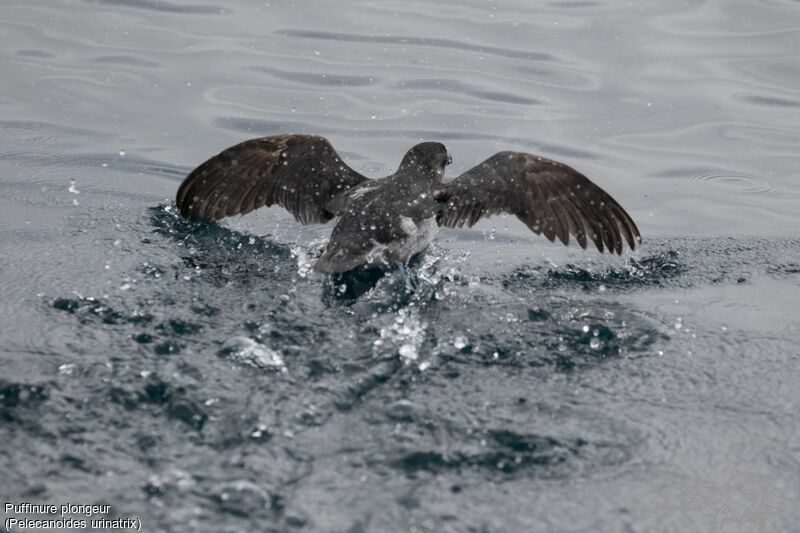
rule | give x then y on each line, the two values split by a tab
383	222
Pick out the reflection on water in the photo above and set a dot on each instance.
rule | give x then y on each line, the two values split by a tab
201	376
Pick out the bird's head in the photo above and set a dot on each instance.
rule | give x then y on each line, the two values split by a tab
427	157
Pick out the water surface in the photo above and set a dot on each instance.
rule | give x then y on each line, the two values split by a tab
201	378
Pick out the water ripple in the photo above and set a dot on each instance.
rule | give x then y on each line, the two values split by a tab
770	101
165	7
129	61
457	87
318	78
418	41
267	127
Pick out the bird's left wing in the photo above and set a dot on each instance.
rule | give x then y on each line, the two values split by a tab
548	196
298	172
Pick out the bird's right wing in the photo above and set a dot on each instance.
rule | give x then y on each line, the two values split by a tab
298	172
548	196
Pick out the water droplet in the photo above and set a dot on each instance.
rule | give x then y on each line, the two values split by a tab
460	342
594	343
407	351
423	366
585	328
247	351
122	153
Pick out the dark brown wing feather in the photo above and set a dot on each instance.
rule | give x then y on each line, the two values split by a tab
549	197
298	172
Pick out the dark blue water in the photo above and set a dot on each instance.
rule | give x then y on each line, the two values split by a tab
201	378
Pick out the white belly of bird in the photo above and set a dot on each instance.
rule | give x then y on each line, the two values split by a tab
419	235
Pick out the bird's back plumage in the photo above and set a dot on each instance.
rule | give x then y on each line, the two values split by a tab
384	222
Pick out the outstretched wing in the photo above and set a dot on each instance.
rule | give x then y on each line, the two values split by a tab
548	196
298	172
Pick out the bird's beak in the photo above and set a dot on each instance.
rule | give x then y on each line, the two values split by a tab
449	160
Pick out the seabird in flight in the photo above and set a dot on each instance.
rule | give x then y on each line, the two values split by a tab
386	222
